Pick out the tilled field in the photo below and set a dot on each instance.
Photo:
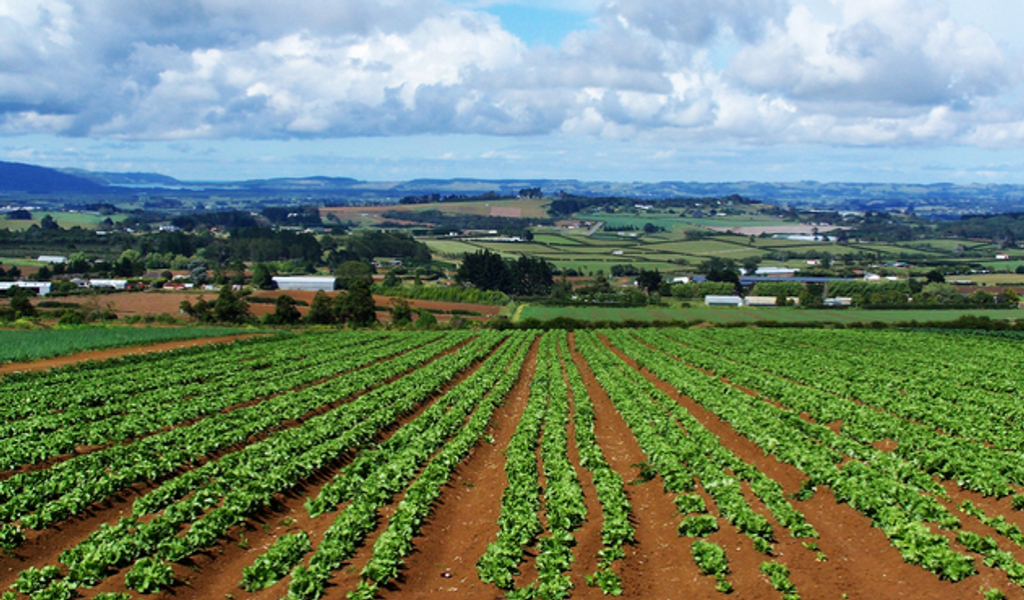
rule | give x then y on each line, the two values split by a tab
646	463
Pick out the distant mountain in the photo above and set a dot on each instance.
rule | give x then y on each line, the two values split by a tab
125	179
939	200
30	179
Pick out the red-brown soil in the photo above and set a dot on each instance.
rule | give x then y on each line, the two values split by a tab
157	302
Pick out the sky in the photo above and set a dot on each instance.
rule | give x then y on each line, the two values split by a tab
916	91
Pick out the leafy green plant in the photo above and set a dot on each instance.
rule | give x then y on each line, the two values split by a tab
698	526
149	575
275	563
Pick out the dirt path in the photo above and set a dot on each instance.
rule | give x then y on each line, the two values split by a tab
465	520
659	564
63	361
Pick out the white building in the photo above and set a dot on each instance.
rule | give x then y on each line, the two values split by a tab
117	284
759	300
42	288
723	301
305	283
53	260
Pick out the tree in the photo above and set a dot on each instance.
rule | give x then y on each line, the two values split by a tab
230	307
721	269
200	311
197	270
935	276
401	313
941	293
261	277
1009	296
285	312
425	319
750	264
649	281
129	264
981	297
48	223
485	270
320	311
21	302
352	271
531	276
359	307
391	280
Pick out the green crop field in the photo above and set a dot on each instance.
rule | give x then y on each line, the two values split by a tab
634	463
750	314
18	345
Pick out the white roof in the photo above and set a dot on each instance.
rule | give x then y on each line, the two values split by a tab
302	279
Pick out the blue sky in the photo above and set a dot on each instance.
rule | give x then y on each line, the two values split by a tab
645	90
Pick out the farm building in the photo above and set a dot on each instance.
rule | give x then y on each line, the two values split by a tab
723	301
42	288
53	260
759	300
117	284
306	284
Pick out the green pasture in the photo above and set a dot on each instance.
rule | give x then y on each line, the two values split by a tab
450	246
67	220
750	315
555	239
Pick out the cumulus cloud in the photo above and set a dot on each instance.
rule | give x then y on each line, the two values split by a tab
878	72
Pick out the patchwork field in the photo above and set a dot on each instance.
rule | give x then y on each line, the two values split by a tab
647	463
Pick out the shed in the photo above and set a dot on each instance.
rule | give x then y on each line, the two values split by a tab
306	284
52	259
760	300
42	288
723	301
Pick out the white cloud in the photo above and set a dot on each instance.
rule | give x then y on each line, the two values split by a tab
866	72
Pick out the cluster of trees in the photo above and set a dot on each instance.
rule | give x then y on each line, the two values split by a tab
525	276
355	308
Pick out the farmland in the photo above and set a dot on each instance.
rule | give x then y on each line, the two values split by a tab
24	345
754	314
674	463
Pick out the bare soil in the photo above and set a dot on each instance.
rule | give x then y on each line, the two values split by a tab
161	302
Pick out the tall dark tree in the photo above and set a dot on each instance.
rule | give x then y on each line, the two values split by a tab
485	270
531	276
231	307
352	271
649	281
721	269
21	302
401	312
360	309
320	312
285	312
262	278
